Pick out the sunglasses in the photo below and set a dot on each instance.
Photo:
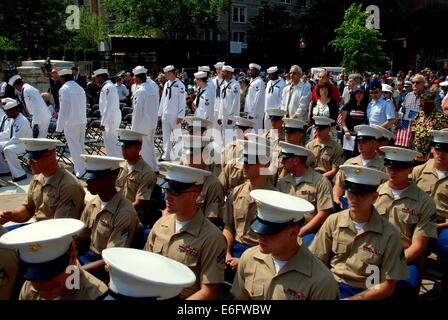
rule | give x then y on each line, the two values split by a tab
176	193
417	82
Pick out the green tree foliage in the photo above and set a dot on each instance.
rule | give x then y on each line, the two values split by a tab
171	18
91	31
33	26
361	47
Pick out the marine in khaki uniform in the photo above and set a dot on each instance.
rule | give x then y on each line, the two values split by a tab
277	132
142	275
136	179
363	250
280	268
410	210
48	261
197	151
303	182
110	219
53	192
229	170
9	269
295	130
432	178
367	140
387	138
187	235
240	208
327	151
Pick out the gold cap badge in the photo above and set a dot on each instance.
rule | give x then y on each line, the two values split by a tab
35	247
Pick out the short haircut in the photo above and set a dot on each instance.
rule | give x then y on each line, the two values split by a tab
356	77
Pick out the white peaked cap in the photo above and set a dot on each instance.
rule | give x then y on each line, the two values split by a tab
40	144
181	173
100	163
385	133
44	240
400	154
364	130
279	207
142	274
363	175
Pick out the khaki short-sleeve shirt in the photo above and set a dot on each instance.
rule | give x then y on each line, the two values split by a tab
328	155
90	288
113	226
138	184
211	199
412	213
426	178
303	277
314	188
349	253
200	245
239	212
232	175
62	196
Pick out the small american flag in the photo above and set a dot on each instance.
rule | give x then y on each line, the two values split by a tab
403	136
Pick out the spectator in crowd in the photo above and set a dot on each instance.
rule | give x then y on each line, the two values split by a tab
78	78
325	106
430	118
379	112
401	93
354	80
55	85
354	113
123	92
92	90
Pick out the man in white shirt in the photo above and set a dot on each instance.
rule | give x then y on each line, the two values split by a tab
203	104
172	109
255	96
10	145
230	99
296	95
72	118
273	97
109	106
144	116
35	105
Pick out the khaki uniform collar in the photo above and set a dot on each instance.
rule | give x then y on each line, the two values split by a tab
193	227
375	223
138	167
55	179
410	192
300	262
307	177
111	206
429	168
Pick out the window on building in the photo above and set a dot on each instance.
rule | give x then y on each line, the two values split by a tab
239	36
239	14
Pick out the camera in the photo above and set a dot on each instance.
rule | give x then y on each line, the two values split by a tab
47	67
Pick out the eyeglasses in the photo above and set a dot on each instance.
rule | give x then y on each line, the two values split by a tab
176	193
